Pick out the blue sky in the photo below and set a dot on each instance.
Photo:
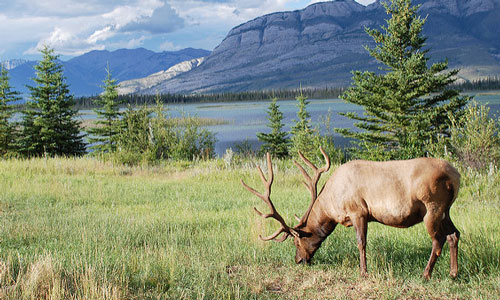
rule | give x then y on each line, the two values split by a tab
74	27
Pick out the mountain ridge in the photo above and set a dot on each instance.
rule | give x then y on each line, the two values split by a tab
321	44
85	73
318	46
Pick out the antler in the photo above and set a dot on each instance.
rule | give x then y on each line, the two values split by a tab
311	183
274	214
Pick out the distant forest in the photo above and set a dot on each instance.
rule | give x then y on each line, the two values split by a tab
491	83
281	94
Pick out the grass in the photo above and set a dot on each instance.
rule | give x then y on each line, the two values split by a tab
84	229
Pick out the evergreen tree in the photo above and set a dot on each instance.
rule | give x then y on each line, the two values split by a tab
105	134
304	138
276	142
49	124
7	129
406	107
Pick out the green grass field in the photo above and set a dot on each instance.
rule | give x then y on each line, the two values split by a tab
84	229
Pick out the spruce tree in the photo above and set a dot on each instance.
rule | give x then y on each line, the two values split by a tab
7	129
407	105
276	142
49	124
304	138
105	134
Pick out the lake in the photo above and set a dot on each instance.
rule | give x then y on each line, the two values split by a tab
246	119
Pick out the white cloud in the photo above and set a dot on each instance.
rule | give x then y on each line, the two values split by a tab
365	2
163	19
123	15
74	35
168	46
134	42
101	35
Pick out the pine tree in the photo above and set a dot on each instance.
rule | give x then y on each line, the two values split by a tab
49	124
407	106
105	134
304	138
276	142
7	129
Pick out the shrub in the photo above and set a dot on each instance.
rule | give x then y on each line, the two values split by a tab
473	141
149	136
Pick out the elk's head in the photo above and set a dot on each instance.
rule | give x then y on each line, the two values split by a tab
305	240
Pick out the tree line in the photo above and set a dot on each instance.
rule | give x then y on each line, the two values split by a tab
488	83
168	98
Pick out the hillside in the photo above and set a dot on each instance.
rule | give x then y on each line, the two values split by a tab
137	85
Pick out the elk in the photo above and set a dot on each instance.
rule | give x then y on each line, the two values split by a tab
395	193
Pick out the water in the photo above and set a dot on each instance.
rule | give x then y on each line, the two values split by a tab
245	119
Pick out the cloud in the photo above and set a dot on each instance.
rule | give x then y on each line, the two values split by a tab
60	8
169	46
134	42
76	35
101	35
65	42
225	14
163	20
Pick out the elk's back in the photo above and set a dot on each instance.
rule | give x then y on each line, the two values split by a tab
396	193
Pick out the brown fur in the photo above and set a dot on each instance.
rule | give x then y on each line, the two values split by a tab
395	193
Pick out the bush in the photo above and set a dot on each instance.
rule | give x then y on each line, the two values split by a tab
190	141
149	136
474	141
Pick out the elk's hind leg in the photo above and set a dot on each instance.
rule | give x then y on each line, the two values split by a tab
452	236
433	223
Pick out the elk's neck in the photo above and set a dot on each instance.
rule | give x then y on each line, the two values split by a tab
318	223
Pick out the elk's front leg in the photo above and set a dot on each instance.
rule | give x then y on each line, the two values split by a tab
360	224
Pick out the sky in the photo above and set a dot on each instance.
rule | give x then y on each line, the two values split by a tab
74	27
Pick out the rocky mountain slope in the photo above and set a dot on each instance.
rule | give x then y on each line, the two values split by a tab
12	63
149	82
321	44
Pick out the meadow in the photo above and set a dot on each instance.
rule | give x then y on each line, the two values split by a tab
80	228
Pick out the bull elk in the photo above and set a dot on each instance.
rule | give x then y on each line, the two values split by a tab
395	193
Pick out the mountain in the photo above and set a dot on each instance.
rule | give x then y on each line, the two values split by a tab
85	73
320	45
12	63
137	85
